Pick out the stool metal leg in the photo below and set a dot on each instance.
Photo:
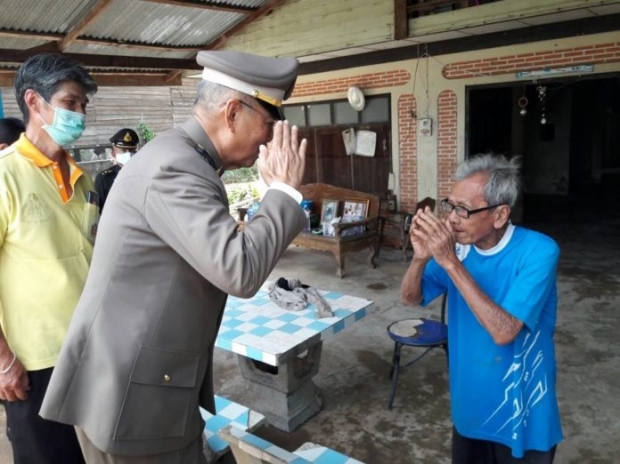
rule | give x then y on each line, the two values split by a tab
396	367
394	372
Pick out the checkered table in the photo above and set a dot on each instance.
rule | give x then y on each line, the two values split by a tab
318	454
250	448
259	329
228	413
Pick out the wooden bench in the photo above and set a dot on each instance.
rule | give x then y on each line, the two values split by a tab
250	449
227	413
342	242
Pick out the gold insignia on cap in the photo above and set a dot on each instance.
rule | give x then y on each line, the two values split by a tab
266	98
127	137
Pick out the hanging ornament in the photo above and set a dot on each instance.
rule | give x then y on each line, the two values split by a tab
522	102
542	95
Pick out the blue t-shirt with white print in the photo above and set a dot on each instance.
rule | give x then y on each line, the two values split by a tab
504	394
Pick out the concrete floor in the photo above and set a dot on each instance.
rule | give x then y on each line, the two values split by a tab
353	378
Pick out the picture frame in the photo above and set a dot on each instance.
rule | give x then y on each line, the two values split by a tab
355	209
329	210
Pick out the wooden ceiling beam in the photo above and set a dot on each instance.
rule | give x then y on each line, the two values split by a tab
206	6
172	75
262	11
49	47
138	80
105	61
82	24
430	4
401	22
7	79
29	35
84	40
133	62
143	46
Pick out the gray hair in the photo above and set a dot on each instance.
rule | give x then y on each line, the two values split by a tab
210	96
44	73
504	178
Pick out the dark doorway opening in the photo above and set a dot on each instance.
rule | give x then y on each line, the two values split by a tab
490	120
568	134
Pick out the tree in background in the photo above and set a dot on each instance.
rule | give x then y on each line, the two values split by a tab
146	134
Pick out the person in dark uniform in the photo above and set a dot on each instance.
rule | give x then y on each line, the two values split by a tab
124	145
10	130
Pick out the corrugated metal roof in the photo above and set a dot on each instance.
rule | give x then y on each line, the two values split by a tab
154	23
42	15
25	24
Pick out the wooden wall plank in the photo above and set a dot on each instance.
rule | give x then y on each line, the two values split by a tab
113	108
301	27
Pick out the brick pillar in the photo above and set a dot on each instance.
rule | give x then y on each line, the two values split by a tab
407	147
446	142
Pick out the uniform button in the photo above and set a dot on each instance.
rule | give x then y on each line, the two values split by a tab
59	186
55	167
166	378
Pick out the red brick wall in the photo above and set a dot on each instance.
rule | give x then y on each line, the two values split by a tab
447	104
408	148
446	142
363	81
591	54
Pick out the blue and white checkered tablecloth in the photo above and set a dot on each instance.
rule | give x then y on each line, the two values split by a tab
261	330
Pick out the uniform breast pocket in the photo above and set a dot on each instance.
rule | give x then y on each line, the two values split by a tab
159	398
90	221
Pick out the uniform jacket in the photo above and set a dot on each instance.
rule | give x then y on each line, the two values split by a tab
104	181
137	360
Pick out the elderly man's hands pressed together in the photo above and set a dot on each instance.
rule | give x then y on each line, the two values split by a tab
432	237
283	159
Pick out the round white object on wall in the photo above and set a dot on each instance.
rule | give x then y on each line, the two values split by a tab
356	98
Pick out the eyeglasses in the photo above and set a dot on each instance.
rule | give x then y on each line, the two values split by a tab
447	206
268	122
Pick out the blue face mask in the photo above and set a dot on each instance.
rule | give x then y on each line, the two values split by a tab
67	127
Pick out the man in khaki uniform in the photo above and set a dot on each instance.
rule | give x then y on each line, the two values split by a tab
137	361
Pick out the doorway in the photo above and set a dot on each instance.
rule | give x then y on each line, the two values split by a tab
568	134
